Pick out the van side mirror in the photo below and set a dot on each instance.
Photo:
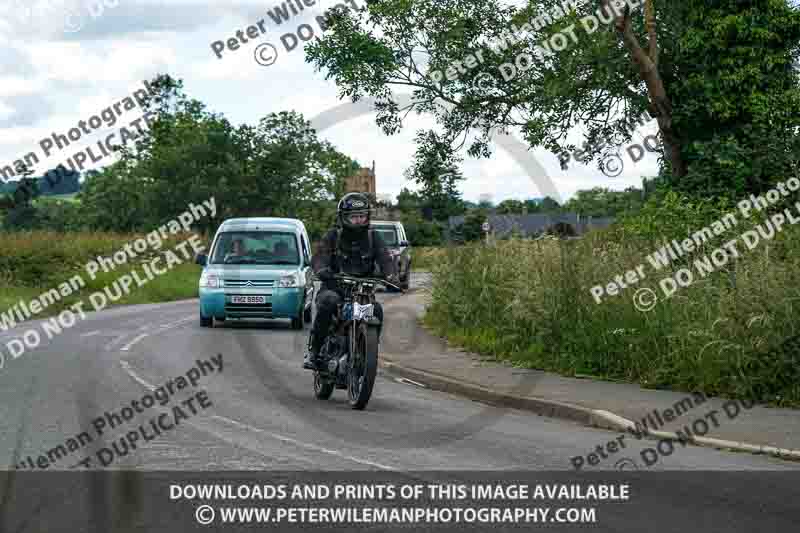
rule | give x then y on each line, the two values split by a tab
201	259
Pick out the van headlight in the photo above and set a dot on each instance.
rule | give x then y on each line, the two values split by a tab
209	282
289	281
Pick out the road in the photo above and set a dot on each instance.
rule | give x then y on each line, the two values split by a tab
264	416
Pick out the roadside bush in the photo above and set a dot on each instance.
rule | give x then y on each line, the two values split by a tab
35	261
46	214
42	259
470	230
725	334
421	232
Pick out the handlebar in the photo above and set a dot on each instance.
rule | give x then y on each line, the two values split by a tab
354	279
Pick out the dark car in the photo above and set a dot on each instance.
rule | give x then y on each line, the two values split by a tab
394	235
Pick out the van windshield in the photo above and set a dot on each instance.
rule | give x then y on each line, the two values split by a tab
388	234
256	248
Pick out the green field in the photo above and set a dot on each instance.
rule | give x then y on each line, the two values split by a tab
73	197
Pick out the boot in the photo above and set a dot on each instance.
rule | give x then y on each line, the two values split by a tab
310	359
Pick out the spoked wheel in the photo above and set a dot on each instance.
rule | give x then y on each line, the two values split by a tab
363	367
323	389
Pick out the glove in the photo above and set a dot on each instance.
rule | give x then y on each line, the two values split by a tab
325	274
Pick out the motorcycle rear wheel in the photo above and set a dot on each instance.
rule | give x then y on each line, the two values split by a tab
363	367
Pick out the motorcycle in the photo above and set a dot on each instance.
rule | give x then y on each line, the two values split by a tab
348	358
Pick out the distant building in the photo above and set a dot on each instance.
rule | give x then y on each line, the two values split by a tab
363	181
532	225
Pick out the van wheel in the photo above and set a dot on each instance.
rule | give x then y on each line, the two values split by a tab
206	322
297	323
406	282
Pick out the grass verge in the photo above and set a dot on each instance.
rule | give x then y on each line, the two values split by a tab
529	302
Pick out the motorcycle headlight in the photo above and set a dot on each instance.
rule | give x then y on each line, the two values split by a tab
209	282
289	281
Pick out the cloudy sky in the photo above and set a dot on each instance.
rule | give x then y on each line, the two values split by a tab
61	64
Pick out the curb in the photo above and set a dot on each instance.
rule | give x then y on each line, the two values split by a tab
598	418
609	420
550	408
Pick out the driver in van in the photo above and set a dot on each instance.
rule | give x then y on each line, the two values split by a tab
237	250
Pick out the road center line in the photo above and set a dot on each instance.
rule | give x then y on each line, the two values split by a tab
127	347
406	380
312	447
177	323
127	367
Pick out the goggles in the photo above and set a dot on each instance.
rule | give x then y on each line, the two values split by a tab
359	217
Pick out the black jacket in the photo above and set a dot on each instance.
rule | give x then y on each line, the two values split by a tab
346	253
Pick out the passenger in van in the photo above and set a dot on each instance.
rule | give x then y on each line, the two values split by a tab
282	251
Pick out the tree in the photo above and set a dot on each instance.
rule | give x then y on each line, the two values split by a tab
532	205
471	229
18	205
716	74
421	232
60	180
604	202
510	207
548	205
115	199
435	170
276	168
408	201
485	202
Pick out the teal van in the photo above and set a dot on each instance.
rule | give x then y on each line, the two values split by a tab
257	268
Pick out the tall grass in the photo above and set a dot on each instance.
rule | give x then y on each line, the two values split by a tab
529	302
425	257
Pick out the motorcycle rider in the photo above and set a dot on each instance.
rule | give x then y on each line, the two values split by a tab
350	248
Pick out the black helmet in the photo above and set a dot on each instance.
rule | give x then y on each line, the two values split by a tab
351	205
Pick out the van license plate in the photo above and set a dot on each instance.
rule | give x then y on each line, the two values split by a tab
248	299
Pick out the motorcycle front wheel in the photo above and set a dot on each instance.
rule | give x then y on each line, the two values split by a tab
323	388
363	367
